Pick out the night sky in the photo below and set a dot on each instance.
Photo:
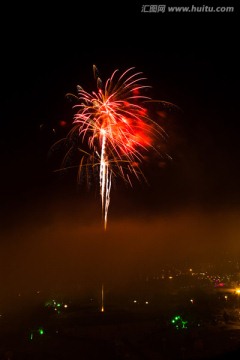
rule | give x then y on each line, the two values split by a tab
51	229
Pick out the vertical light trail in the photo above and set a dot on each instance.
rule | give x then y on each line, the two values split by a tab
105	179
102	298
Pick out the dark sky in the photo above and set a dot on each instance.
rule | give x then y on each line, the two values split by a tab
190	60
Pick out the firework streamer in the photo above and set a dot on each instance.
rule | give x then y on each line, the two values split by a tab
114	120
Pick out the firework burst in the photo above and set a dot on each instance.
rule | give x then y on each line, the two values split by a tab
115	122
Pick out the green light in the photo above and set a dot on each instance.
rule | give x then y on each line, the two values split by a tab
184	323
31	336
58	305
179	323
41	331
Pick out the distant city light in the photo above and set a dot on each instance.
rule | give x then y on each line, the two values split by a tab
41	331
179	323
